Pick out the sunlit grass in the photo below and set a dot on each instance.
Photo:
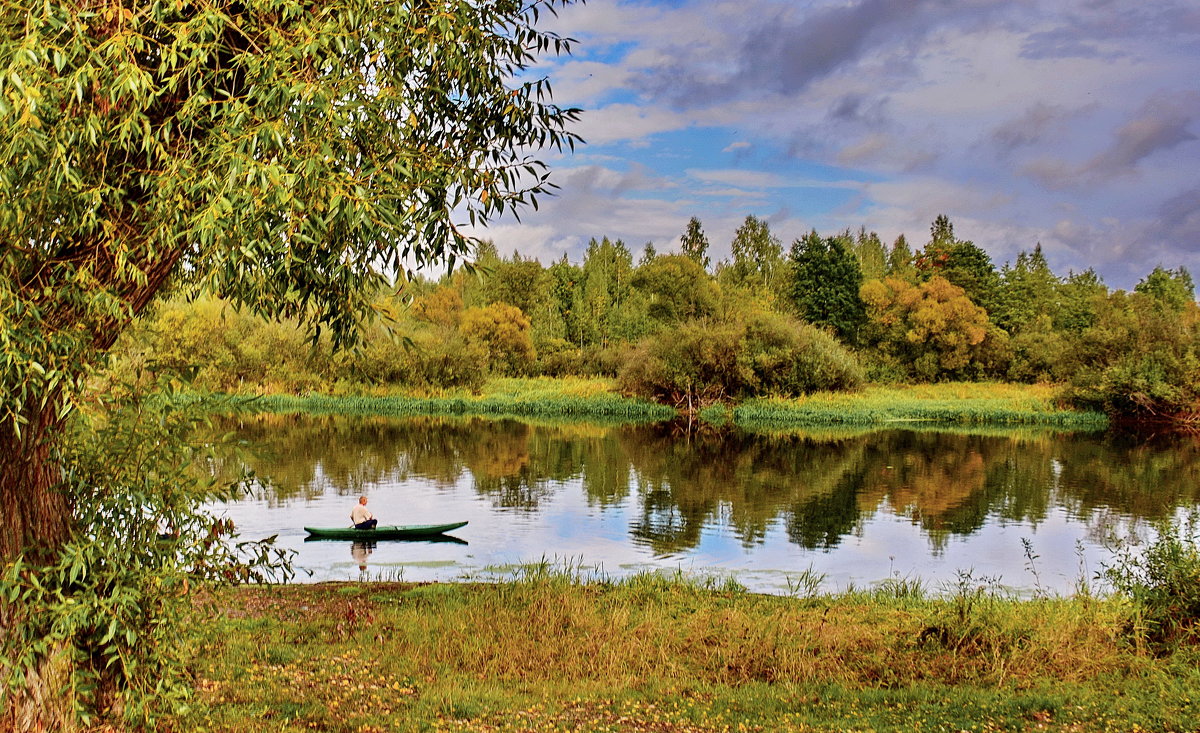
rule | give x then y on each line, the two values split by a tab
948	404
954	402
533	397
555	650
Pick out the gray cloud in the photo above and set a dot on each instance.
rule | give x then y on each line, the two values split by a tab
990	102
1103	28
1030	127
785	53
1161	124
1178	221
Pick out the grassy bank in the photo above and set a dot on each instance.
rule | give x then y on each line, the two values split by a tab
534	397
958	403
648	654
949	404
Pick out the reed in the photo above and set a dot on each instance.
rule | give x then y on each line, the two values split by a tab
573	650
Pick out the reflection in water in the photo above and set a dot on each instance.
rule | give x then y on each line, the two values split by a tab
360	551
674	488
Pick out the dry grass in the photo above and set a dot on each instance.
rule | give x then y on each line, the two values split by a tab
652	654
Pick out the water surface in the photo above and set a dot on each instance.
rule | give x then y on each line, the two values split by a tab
766	508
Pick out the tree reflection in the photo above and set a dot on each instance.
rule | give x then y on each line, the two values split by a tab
817	487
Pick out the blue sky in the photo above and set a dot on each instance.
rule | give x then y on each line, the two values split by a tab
1074	123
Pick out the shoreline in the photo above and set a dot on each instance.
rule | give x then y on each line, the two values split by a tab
947	404
546	652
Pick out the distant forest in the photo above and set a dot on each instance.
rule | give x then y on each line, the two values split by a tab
826	312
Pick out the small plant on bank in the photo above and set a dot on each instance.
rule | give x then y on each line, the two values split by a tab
1162	580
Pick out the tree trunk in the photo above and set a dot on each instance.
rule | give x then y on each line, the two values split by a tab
35	521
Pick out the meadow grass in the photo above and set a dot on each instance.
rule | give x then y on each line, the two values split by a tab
530	397
569	651
947	404
970	403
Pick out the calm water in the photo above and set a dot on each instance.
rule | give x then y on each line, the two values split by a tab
762	507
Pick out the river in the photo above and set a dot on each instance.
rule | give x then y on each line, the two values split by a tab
778	511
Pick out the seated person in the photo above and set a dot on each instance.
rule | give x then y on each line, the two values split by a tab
361	516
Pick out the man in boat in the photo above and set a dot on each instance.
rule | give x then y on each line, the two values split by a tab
361	516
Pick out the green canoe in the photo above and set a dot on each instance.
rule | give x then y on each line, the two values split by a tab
383	532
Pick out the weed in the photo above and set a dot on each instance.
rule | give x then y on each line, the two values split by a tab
1162	580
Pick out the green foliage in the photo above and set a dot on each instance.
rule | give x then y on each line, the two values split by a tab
825	284
286	156
1173	290
1038	353
676	289
118	594
1080	295
694	244
702	362
961	262
758	262
604	305
1138	359
900	261
291	159
1162	579
872	257
1028	290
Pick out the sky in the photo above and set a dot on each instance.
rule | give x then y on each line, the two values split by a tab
1073	123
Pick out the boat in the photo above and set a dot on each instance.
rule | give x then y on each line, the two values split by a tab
383	532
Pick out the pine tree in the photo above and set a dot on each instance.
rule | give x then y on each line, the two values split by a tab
825	284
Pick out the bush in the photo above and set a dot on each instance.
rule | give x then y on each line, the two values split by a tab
1138	360
703	362
502	333
1163	581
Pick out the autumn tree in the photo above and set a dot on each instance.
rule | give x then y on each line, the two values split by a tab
503	334
932	330
961	262
287	157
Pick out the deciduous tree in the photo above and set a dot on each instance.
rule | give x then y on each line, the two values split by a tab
693	243
286	156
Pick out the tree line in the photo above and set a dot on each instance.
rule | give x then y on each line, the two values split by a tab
828	312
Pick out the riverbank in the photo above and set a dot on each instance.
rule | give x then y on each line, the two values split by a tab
548	652
945	403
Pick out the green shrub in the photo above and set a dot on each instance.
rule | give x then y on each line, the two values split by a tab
1163	581
701	362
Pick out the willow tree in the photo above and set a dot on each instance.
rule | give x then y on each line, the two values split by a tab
287	155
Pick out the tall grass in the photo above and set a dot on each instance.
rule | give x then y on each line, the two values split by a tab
540	649
943	405
950	403
539	397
